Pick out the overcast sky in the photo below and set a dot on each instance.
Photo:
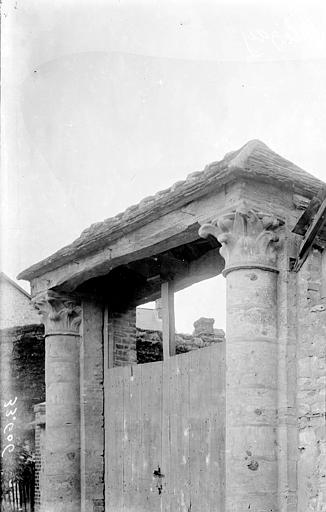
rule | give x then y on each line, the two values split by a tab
107	102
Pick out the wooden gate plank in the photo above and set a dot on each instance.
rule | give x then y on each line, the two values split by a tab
166	427
127	419
207	473
171	446
114	439
195	399
217	441
204	406
133	453
180	431
166	417
151	434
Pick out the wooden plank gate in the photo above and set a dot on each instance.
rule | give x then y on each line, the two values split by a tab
164	434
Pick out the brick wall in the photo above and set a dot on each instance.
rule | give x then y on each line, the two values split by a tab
311	388
39	452
122	329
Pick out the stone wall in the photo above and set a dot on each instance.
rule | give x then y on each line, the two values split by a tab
22	381
92	409
311	388
132	345
22	376
150	348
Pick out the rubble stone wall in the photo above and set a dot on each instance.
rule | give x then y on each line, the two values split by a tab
311	388
22	376
133	345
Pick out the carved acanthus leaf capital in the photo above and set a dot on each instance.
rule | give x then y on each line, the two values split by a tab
248	238
61	313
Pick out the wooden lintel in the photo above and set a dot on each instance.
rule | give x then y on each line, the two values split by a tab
168	326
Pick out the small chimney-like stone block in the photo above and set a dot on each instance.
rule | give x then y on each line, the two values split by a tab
204	326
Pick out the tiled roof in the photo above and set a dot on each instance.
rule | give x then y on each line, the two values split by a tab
254	160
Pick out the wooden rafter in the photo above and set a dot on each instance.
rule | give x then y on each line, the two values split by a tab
304	221
312	225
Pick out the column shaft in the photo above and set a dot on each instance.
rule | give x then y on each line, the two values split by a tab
62	458
251	391
61	316
249	241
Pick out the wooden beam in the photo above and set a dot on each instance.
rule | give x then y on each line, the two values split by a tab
168	326
166	232
304	221
207	266
308	241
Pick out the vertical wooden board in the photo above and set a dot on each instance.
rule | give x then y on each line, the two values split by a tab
217	442
126	475
201	474
211	429
114	439
208	476
166	435
179	434
170	446
151	434
205	472
108	426
132	457
194	439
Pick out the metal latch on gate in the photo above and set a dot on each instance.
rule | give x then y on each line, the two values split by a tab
158	477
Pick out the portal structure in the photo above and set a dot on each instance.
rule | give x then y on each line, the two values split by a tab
250	435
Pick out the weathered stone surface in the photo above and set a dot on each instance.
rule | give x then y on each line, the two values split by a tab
311	389
247	236
248	246
60	313
251	391
62	316
91	407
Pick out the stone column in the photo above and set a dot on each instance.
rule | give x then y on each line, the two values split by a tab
248	241
61	316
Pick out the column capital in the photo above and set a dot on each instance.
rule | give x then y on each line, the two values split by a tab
248	237
61	313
